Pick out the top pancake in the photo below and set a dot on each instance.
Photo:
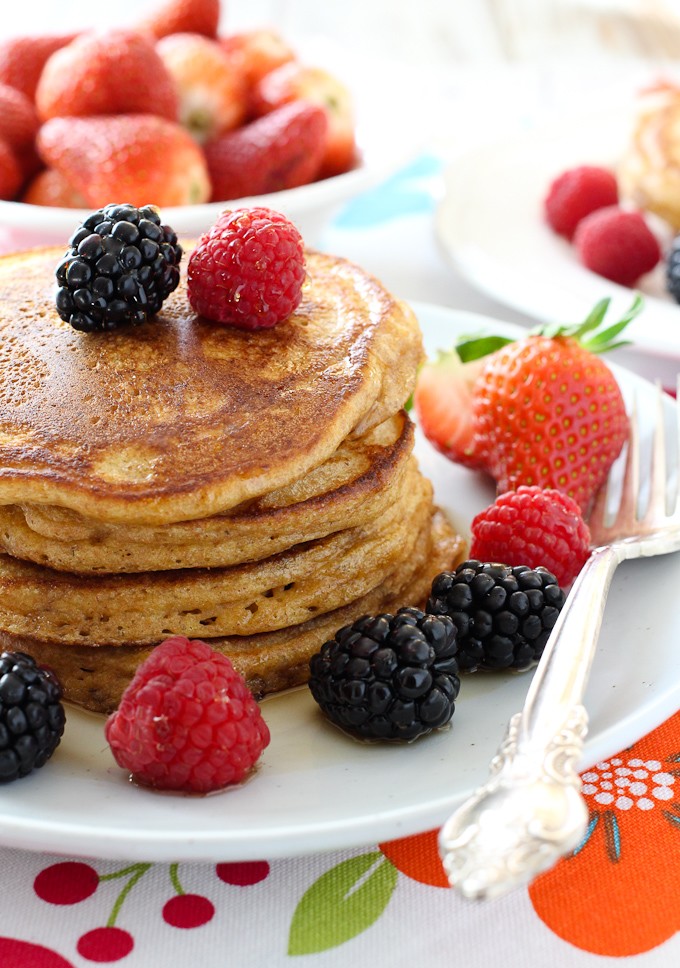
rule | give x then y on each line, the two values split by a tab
181	418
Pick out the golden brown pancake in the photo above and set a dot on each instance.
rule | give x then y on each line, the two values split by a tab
353	487
96	677
182	418
261	596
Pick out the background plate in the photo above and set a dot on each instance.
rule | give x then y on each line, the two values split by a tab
490	224
316	789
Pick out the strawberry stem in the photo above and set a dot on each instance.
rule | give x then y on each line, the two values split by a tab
475	347
588	333
599	340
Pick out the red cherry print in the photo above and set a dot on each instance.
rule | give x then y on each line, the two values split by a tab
243	873
66	883
188	911
20	954
105	944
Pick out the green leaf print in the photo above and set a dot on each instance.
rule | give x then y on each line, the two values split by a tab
342	903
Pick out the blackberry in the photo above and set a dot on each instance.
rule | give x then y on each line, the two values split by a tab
388	676
121	265
31	715
673	269
503	615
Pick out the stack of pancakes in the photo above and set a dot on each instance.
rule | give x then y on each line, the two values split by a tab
256	490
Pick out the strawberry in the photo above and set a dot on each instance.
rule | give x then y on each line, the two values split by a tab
282	150
138	158
49	187
184	16
545	409
257	52
443	404
116	72
211	88
23	58
294	81
18	120
18	127
10	172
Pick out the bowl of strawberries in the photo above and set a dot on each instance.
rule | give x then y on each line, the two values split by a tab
173	111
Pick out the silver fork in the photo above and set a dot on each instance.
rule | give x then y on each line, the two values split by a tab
530	811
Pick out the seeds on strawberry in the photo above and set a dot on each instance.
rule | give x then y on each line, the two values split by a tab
542	410
187	721
552	415
248	269
533	526
113	72
281	150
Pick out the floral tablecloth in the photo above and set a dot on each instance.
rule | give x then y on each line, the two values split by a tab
614	901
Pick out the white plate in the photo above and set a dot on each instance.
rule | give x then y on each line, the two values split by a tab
490	224
315	788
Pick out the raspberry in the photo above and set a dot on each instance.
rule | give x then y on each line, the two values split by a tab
187	721
533	526
248	269
576	193
617	245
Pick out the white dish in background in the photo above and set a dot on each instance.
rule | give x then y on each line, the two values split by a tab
491	226
380	123
315	788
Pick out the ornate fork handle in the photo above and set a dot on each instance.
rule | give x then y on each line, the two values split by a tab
530	812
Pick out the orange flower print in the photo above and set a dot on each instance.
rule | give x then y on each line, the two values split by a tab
617	894
417	857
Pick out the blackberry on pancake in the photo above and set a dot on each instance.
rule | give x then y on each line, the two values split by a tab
121	265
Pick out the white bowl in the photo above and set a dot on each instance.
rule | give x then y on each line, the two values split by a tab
392	127
310	207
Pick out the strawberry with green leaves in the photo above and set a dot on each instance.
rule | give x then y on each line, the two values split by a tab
544	410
